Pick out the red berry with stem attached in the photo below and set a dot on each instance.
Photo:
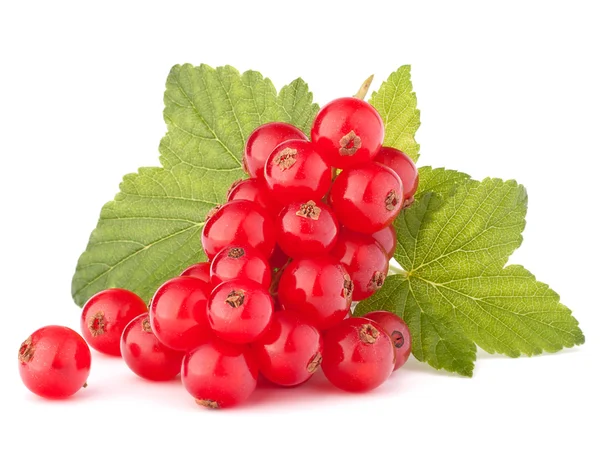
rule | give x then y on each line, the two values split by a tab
306	229
367	198
235	262
364	259
263	141
348	132
240	310
145	355
387	238
106	314
290	352
219	374
318	290
295	171
199	270
178	313
254	190
398	331
358	355
238	223
403	166
54	362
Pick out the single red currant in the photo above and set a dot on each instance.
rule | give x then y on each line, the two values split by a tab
404	167
306	229
106	314
254	190
397	329
290	352
238	223
178	313
348	132
234	262
219	374
367	198
54	362
263	141
387	238
364	259
145	355
240	310
318	290
295	171
199	270
357	355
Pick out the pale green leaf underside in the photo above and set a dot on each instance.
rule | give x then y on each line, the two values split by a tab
454	243
397	104
151	231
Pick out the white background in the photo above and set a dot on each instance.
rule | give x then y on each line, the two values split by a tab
510	91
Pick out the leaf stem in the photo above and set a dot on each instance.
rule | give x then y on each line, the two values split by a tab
396	269
362	92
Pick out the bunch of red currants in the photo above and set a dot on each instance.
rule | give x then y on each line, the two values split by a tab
309	232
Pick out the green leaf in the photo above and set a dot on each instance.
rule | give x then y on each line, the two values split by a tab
151	231
397	104
456	291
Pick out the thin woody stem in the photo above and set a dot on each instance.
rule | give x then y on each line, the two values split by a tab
362	92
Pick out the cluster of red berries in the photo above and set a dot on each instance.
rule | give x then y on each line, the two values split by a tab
306	235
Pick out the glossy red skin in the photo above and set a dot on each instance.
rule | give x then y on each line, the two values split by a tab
178	313
388	239
239	223
289	353
338	118
358	197
199	270
256	191
145	355
228	265
105	315
308	178
363	258
278	259
246	322
398	331
54	362
403	166
301	236
263	141
353	364
314	289
220	373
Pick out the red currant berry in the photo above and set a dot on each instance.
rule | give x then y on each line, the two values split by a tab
290	352
263	141
397	329
296	172
387	238
278	259
367	198
364	259
348	132
199	270
306	229
357	355
235	262
54	362
145	355
238	223
106	314
318	290
178	313
253	190
240	310
219	374
403	166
